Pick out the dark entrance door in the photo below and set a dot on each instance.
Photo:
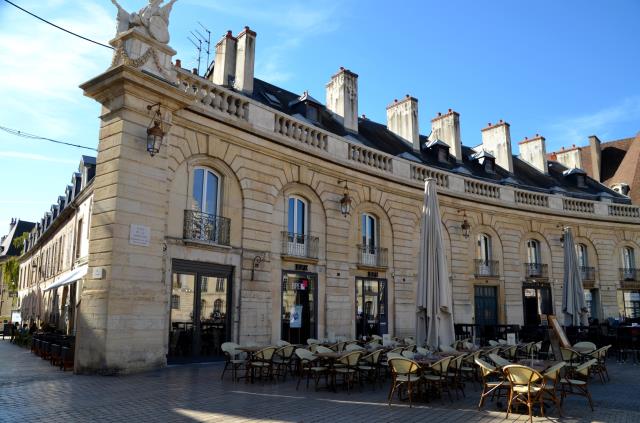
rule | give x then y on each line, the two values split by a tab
486	305
371	307
200	311
536	300
299	299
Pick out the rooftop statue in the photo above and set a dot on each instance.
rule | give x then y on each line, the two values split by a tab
153	19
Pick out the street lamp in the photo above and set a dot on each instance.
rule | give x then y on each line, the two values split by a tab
345	201
466	227
155	131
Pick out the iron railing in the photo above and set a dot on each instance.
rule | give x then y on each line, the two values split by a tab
628	274
588	273
206	227
535	270
299	245
486	268
372	256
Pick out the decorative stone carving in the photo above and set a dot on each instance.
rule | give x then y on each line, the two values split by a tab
142	39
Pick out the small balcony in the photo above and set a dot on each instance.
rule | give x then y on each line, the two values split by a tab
207	228
372	257
486	268
587	273
629	277
535	271
298	245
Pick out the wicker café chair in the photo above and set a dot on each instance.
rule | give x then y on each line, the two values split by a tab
369	367
282	360
526	387
493	343
587	346
233	358
510	352
601	364
262	361
309	366
447	349
347	367
436	378
570	356
353	347
405	373
322	349
578	382
454	374
493	382
282	343
468	369
552	383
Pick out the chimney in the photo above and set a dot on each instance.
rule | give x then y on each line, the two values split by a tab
596	157
245	59
447	128
225	61
533	151
342	97
402	120
496	139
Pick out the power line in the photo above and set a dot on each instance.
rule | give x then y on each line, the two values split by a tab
37	137
56	26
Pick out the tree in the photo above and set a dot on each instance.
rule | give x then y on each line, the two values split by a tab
11	267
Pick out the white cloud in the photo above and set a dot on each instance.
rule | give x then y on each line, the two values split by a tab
575	130
41	66
32	156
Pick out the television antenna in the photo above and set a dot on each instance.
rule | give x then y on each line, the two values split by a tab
201	43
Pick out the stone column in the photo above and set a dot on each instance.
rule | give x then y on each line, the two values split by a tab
123	313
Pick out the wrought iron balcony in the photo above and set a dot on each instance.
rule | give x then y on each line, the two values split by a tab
372	256
199	226
486	268
298	245
628	274
588	273
535	271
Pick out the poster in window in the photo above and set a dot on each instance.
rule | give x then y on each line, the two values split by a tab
295	319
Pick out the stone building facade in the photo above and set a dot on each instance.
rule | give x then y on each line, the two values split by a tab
234	229
54	262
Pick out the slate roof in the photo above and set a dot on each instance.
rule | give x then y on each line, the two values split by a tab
377	136
16	230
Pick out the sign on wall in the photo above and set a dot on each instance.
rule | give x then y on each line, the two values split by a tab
139	235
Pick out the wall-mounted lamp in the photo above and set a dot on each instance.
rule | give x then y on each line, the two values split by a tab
345	201
256	264
466	227
155	131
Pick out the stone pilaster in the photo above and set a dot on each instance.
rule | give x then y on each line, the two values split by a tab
122	318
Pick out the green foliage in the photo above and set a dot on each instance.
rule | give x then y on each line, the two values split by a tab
10	272
18	242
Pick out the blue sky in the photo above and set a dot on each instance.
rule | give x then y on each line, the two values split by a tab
564	69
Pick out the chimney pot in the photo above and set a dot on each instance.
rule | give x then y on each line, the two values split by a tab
526	138
573	146
537	135
500	120
245	60
489	124
450	110
194	71
407	95
402	120
439	114
342	97
229	34
179	63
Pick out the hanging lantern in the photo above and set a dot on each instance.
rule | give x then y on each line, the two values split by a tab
155	131
345	201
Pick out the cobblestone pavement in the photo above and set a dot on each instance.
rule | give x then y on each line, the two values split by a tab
32	390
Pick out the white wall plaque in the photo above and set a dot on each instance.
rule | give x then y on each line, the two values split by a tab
139	235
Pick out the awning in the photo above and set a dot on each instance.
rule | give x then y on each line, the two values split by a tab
69	277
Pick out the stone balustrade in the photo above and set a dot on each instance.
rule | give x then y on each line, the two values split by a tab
578	206
297	131
531	199
268	122
420	173
213	97
620	210
370	157
482	189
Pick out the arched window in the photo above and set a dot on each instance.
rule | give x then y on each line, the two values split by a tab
205	192
369	231
583	255
297	216
628	264
484	260
533	251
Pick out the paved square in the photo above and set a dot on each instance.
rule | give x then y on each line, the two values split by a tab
32	390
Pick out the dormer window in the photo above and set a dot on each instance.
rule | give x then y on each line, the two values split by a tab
578	176
486	160
312	112
440	148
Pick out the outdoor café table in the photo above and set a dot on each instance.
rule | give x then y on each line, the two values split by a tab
251	349
539	366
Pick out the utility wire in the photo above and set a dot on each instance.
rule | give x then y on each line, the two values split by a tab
56	26
37	137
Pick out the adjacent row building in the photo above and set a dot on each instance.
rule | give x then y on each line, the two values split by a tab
224	207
